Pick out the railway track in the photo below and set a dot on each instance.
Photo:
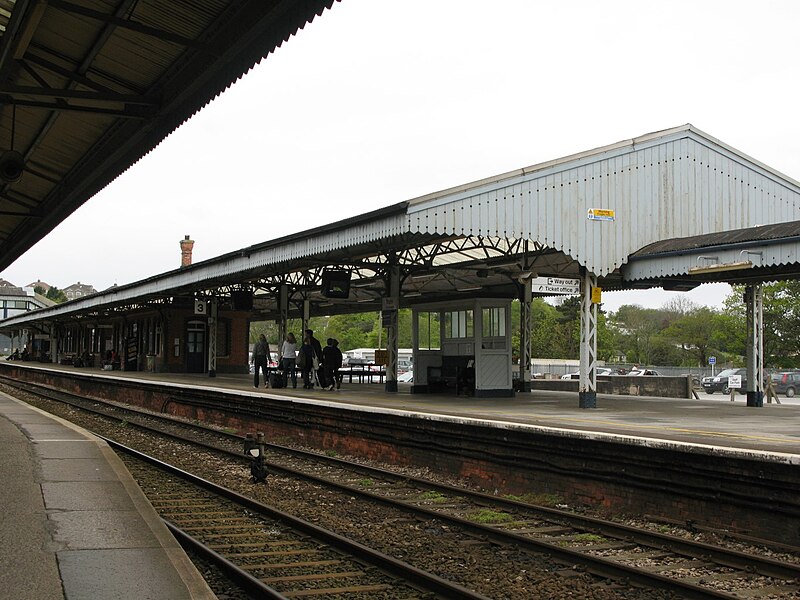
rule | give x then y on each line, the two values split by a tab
269	552
639	556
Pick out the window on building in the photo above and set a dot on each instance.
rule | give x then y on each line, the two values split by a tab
69	341
195	337
494	328
458	324
157	339
428	331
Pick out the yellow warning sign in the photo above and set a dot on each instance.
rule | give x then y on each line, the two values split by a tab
597	295
601	214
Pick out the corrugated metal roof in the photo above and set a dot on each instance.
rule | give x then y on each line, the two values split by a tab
735	237
677	183
758	254
89	88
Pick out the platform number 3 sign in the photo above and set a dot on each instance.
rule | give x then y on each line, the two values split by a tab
200	307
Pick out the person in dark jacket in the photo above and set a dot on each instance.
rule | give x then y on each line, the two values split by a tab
332	361
305	362
260	360
317	353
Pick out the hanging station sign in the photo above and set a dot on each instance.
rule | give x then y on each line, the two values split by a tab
555	285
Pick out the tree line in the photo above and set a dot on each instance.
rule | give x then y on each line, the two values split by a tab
680	333
52	293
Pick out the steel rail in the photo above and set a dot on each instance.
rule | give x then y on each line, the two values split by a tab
723	556
596	565
413	576
239	576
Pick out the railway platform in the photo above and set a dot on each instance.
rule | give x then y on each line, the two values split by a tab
709	422
75	525
709	459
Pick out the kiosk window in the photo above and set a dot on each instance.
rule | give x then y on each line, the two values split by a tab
428	331
458	324
494	328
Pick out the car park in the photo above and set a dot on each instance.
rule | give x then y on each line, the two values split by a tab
787	382
719	383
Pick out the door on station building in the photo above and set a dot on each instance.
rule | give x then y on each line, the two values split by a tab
195	347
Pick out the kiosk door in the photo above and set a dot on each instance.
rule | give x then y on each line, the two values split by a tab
195	347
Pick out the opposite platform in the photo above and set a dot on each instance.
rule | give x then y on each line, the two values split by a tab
75	525
710	422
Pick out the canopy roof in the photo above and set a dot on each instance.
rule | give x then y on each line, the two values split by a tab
666	199
89	87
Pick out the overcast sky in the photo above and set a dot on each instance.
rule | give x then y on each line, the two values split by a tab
377	102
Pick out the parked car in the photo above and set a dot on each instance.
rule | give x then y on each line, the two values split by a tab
407	377
643	373
598	371
719	383
787	382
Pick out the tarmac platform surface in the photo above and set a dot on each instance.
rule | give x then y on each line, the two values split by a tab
74	524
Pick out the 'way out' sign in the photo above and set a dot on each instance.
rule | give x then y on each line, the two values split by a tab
555	285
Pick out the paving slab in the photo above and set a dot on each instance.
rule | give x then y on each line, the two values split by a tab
108	575
86	495
74	524
80	469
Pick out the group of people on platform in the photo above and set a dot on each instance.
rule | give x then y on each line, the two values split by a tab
316	364
15	355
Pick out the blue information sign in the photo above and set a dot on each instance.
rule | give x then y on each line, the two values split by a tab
712	360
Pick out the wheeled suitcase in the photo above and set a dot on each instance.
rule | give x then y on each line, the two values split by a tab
276	380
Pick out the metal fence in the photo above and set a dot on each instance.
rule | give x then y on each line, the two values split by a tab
555	369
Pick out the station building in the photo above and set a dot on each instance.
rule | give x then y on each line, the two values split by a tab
675	209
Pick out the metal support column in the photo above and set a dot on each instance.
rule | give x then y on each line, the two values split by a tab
306	314
53	344
525	335
212	337
753	298
587	391
283	309
390	318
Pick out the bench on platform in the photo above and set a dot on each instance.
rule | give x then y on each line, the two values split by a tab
362	372
455	372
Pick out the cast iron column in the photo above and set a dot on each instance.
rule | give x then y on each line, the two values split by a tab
525	329
587	391
755	345
392	323
212	337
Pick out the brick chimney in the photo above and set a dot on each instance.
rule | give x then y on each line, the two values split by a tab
186	251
